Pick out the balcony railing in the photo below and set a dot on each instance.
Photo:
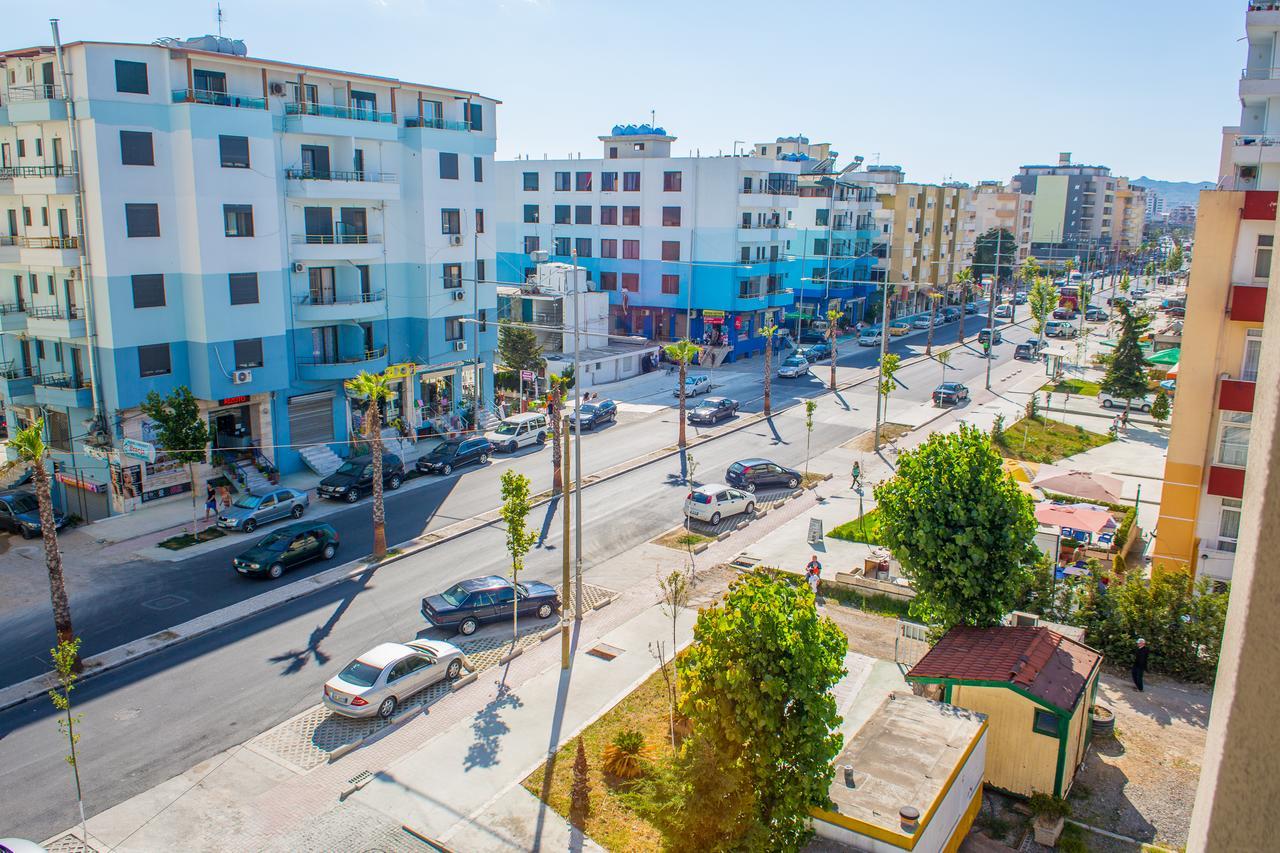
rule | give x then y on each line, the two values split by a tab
49	242
367	355
217	99
1256	139
336	239
336	175
38	92
761	226
1264	5
13	308
331	299
62	380
55	312
771	188
334	111
56	171
17	372
8	240
436	123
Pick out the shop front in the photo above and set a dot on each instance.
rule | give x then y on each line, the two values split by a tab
231	426
447	399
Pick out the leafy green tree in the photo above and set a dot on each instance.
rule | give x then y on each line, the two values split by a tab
1124	282
29	446
376	389
961	528
944	358
1174	263
768	331
518	348
888	368
516	505
964	278
984	253
758	680
1126	376
682	353
1160	407
66	667
182	432
1041	300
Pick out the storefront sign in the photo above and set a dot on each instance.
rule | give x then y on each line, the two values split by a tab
138	449
80	482
97	451
527	375
737	322
127	480
166	492
234	401
400	371
709	314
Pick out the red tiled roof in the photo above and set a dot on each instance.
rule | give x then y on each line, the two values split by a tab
1042	662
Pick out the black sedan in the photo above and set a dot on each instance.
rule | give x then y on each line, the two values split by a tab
950	394
288	547
597	413
713	410
454	453
817	352
20	513
971	308
468	604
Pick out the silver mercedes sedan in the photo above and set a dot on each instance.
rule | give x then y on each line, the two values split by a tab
381	679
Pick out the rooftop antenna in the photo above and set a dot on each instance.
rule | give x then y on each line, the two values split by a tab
653	118
219	20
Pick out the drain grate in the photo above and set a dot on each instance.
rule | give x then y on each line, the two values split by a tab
604	651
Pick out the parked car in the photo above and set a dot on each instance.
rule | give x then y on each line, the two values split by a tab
1059	329
1173	302
813	335
921	322
1094	314
986	335
354	479
20	513
751	474
1170	386
1109	401
712	502
950	394
288	547
951	313
713	410
1065	314
869	336
249	511
1029	351
793	367
695	384
518	431
1119	299
971	308
1004	311
1177	312
1020	298
898	328
597	413
1138	292
455	453
468	604
817	352
381	679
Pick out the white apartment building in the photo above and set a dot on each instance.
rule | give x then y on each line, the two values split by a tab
996	205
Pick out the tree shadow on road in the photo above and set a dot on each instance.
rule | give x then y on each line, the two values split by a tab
296	660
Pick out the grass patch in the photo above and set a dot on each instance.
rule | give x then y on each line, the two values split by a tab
1041	439
812	479
1075	387
880	605
888	432
863	529
609	822
186	540
681	539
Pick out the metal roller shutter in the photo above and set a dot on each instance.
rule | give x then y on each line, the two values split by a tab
311	419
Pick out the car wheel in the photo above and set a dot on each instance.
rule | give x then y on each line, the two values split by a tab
446	470
792	483
250	525
751	487
751	507
715	519
387	708
275	571
394	482
1106	404
455	669
1146	408
544	611
28	534
352	496
468	627
511	447
329	551
542	438
484	459
297	511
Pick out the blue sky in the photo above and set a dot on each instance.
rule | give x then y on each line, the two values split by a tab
965	91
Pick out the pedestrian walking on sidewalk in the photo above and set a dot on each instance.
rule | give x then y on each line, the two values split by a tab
1140	663
210	500
813	573
857	475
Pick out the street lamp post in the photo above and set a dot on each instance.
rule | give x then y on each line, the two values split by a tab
577	447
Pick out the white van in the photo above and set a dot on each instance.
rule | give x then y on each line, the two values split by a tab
519	431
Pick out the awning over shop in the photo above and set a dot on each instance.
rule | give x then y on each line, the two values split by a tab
1165	356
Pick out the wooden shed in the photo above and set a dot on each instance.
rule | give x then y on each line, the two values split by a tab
1035	687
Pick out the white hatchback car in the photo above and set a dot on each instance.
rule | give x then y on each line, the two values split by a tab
1137	404
378	681
793	367
712	502
694	384
869	337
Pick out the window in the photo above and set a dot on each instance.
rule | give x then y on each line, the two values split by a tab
583	245
483	318
631	250
608	248
237	219
1229	524
562	214
821	216
1233	438
148	291
234	151
153	360
244	288
637	146
1045	723
40	349
480	276
631	282
820	246
22	147
613	152
59	424
474	115
562	182
131	77
479	221
671	250
582	182
671	283
672	181
561	247
448	166
477	169
135	148
671	216
608	281
531	213
630	216
609	215
44	216
746	254
453	329
26	216
608	182
631	182
450	221
582	214
248	353
1262	261
140	220
452	276
530	182
531	244
1252	353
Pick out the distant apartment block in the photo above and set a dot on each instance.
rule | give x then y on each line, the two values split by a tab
996	205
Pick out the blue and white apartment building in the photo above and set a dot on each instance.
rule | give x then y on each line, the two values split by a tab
684	246
256	230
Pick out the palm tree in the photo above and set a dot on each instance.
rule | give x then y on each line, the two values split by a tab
374	387
557	391
943	357
768	331
32	450
682	353
934	298
832	316
964	278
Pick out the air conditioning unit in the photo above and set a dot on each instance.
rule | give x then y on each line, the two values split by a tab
455	239
277	89
298	267
241	377
459	295
459	346
75	272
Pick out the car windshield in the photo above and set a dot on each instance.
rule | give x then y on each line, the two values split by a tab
360	673
949	386
277	540
700	497
692	380
248	501
455	595
507	429
449	448
794	361
350	469
24	503
588	408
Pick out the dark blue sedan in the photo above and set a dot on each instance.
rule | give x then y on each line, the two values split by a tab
596	413
467	605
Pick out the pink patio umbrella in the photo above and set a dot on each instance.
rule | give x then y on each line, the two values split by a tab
1080	484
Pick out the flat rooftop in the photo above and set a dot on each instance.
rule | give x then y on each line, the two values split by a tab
904	755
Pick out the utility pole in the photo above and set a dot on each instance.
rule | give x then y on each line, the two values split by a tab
564	547
991	306
577	446
884	343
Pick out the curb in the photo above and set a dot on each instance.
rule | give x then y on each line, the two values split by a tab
459	683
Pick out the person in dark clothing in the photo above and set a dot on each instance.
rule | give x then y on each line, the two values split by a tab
1140	663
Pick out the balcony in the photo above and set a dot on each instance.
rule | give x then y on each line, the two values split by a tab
757	234
8	249
342	186
17	385
1262	16
1255	149
1248	303
335	368
13	318
1225	482
1236	395
337	247
43	180
328	311
430	123
63	389
54	322
36	103
334	120
49	251
218	99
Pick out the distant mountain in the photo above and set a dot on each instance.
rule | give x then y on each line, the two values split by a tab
1176	193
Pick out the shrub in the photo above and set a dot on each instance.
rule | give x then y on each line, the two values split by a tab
624	758
1049	806
580	793
997	427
